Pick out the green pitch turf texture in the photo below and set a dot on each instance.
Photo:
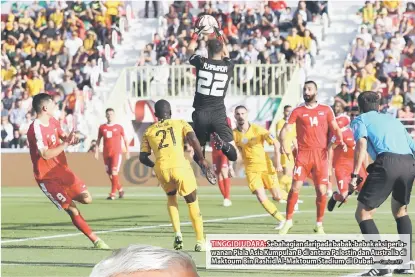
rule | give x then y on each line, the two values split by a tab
27	213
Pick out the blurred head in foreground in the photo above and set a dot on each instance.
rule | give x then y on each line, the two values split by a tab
146	261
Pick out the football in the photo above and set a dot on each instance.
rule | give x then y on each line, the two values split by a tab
206	24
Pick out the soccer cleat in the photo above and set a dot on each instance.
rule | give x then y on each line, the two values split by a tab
319	230
377	272
100	244
178	242
280	225
227	202
287	226
332	202
121	194
217	141
111	197
200	246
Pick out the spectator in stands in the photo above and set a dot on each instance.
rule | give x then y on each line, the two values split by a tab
287	51
338	108
259	41
160	78
24	127
202	50
17	114
8	100
359	53
93	146
67	86
250	20
410	96
406	113
399	80
231	32
6	132
344	97
269	20
171	15
56	74
286	19
294	40
385	22
63	59
350	80
174	29
236	16
16	142
155	8
302	10
35	85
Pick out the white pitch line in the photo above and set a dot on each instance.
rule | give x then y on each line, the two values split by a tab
167	225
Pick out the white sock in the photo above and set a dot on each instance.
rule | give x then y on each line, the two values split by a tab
178	234
289	221
319	224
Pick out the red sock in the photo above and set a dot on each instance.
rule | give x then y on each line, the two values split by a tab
114	184
321	206
222	187
82	226
227	188
117	180
291	201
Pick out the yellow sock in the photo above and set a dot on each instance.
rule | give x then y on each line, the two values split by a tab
272	210
173	209
196	218
282	194
285	182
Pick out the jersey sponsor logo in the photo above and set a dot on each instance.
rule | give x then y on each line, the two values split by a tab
306	114
220	68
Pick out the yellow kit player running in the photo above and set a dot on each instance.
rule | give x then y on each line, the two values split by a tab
287	164
260	172
166	139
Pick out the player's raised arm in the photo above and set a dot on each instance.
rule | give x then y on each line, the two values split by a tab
145	152
98	142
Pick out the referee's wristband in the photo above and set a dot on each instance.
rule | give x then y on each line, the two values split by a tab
354	175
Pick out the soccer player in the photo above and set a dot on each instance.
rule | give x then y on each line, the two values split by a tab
47	143
212	79
166	139
287	163
223	170
341	162
112	134
260	172
312	125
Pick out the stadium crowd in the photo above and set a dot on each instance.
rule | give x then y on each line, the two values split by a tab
265	32
53	47
382	59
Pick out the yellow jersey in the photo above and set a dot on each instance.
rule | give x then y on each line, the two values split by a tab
57	18
34	86
166	139
56	46
112	7
295	41
291	136
251	146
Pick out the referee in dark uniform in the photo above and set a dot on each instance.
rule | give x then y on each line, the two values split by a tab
393	171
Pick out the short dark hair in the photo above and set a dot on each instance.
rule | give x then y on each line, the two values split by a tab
311	82
368	101
214	46
39	100
287	106
241	107
109	110
162	109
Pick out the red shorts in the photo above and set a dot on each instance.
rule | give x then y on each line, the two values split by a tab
343	177
63	188
112	163
312	161
219	161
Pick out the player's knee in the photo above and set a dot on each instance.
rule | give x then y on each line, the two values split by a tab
190	198
321	190
398	210
72	211
225	172
363	213
85	198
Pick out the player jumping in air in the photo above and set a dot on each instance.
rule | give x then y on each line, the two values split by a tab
260	172
223	170
174	172
47	143
112	134
287	163
212	78
342	162
312	124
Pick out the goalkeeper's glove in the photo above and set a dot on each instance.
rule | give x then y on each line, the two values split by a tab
219	34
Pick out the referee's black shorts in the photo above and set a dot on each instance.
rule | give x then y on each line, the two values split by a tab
390	173
205	122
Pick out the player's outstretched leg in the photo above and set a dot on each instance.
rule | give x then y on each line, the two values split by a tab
291	203
321	199
80	223
226	183
197	221
227	148
269	206
173	209
336	197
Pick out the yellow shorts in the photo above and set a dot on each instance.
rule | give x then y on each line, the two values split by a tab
287	163
263	179
181	179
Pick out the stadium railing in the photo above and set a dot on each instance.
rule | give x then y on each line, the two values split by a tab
409	124
179	81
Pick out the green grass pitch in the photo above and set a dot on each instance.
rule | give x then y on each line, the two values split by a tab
142	218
